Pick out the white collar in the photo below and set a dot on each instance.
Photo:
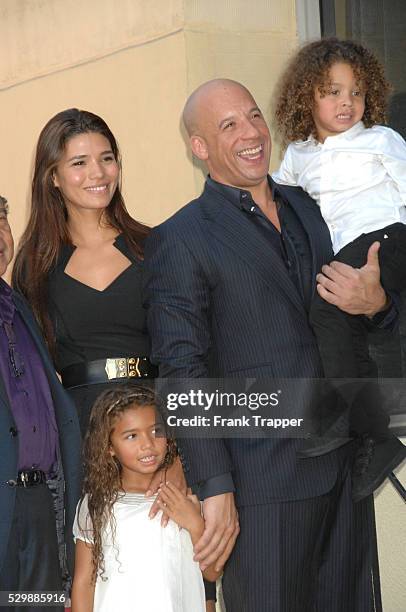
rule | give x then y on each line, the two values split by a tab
349	134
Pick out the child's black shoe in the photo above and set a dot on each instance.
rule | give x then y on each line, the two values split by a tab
374	461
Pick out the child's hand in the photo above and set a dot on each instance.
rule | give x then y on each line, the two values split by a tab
183	509
175	474
186	512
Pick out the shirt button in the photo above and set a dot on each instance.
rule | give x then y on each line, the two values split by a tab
13	432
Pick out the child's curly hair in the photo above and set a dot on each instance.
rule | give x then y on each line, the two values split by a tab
309	69
102	481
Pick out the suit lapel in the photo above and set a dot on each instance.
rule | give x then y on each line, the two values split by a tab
234	229
316	229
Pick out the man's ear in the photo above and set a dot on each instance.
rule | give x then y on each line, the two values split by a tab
199	147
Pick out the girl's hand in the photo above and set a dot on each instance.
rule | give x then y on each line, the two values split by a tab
185	510
175	474
181	508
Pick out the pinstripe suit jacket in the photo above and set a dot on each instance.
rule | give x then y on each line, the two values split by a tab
221	303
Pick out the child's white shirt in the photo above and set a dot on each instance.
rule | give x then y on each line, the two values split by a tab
358	178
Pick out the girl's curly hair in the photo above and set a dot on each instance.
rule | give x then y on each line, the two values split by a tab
309	69
102	481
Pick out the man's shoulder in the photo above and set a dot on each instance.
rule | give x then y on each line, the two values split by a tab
21	303
191	209
191	213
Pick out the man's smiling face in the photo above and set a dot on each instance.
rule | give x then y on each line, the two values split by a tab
232	136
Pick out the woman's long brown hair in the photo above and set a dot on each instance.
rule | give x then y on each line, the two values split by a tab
47	229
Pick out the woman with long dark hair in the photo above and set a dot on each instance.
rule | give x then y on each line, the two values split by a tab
79	264
79	259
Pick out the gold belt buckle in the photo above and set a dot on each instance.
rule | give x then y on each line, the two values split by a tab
133	367
123	367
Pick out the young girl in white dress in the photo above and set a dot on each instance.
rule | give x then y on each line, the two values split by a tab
124	560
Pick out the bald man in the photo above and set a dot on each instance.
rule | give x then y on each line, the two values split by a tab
228	283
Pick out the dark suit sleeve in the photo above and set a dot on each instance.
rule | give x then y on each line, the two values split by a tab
215	486
177	296
388	319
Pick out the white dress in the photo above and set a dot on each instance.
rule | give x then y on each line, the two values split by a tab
149	568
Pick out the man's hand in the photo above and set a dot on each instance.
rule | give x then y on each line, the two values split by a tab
354	290
220	532
175	474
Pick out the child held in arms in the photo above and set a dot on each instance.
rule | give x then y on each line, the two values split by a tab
330	109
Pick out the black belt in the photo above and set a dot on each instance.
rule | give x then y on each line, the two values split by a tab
106	370
28	478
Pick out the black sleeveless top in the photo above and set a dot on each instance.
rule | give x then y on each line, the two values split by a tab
91	324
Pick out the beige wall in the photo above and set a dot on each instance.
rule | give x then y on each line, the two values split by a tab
137	80
134	62
141	106
232	40
139	90
391	528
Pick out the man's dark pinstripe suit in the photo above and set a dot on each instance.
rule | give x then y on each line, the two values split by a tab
217	294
